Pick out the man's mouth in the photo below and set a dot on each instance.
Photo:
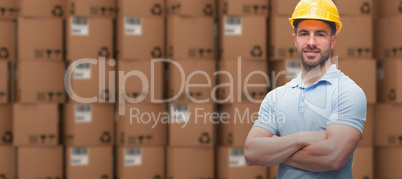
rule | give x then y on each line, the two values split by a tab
311	52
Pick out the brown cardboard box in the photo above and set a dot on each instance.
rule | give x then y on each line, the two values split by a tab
389	8
6	162
35	125
141	162
283	7
40	82
232	165
140	8
190	162
42	8
354	8
243	8
241	75
144	74
281	40
363	163
89	162
39	162
192	80
190	37
363	73
9	9
6	127
89	37
142	124
192	124
91	8
388	39
236	122
388	81
367	139
4	82
191	8
355	40
140	38
388	162
7	39
387	124
272	172
284	71
89	124
244	37
92	80
47	31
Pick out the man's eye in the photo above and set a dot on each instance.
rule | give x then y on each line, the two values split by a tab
321	35
303	34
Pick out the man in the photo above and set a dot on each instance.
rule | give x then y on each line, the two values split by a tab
312	125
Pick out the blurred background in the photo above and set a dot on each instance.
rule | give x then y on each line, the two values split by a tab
46	133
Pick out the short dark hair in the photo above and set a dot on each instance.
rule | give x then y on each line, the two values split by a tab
331	25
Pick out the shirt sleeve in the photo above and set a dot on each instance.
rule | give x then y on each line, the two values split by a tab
350	107
266	114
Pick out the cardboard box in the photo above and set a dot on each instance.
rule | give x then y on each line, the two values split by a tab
5	82
355	40
142	125
91	81
388	163
9	9
232	165
190	37
190	162
89	124
6	162
139	8
243	80
40	82
192	80
273	171
7	39
284	71
42	8
355	8
365	76
388	41
389	8
140	38
363	163
283	7
367	139
244	37
47	31
6	127
89	162
192	125
141	162
36	125
198	8
141	81
39	162
91	8
388	81
387	125
243	8
236	121
281	40
89	37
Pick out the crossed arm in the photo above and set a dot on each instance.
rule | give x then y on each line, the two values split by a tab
314	151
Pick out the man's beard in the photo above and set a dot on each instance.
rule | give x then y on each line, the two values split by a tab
324	57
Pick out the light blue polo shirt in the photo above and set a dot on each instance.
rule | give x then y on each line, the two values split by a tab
292	108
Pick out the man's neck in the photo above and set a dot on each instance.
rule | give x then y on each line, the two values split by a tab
311	76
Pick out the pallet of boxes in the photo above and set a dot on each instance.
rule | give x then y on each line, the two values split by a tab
191	65
243	82
89	115
387	123
141	111
353	55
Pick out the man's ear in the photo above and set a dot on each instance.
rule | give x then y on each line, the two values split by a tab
334	38
294	39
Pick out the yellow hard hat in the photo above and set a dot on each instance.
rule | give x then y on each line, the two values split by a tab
317	9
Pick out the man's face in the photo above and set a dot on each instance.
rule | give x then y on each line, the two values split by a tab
314	42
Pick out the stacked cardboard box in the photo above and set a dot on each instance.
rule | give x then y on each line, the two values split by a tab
190	48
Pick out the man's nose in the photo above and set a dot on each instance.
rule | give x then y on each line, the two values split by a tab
312	41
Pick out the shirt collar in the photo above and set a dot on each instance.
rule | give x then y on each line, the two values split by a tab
330	76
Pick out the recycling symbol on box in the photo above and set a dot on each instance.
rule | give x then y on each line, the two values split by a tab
365	8
392	95
72	8
57	11
4	53
105	138
256	51
157	9
205	138
230	138
156	52
104	52
7	137
208	10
